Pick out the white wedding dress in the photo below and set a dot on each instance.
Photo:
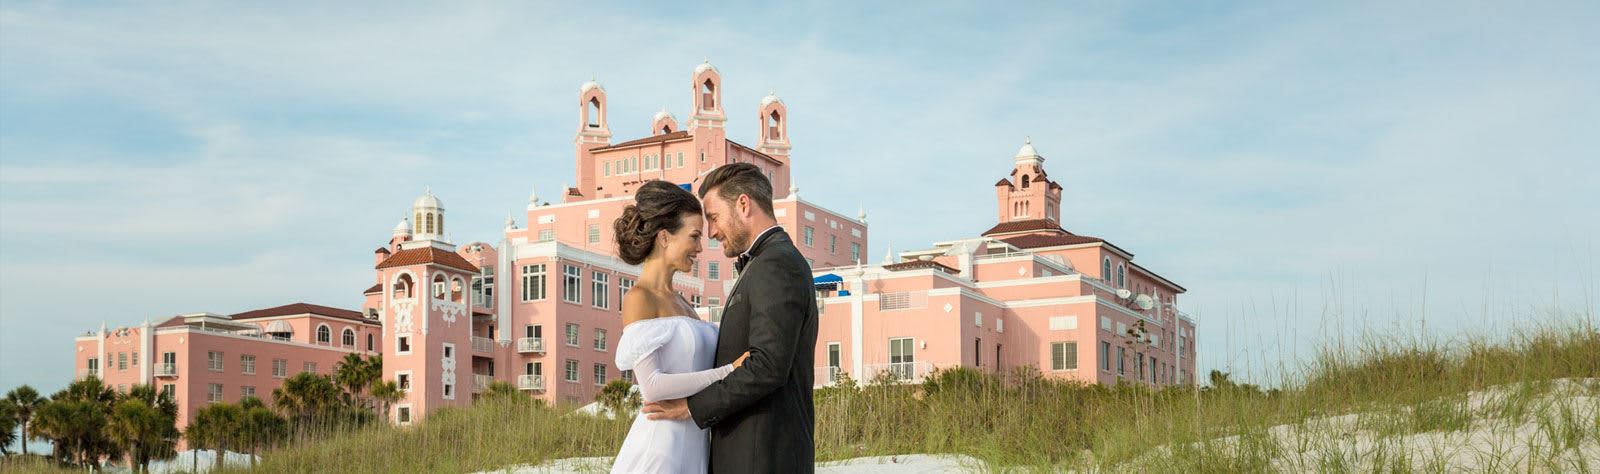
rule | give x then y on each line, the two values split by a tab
670	357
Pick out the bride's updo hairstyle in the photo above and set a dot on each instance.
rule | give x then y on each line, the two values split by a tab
659	205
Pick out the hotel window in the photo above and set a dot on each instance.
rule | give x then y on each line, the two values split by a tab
403	345
93	365
135	361
855	252
348	338
572	371
694	300
602	290
713	244
1122	276
546	235
599	374
122	361
572	279
715	309
1063	356
214	361
324	335
404	415
594	233
572	334
169	391
1122	357
213	392
977	319
805	235
403	379
713	271
902	357
680	159
1105	269
702	157
1153	369
309	367
835	358
623	285
247	364
1105	356
280	368
977	352
247	391
695	269
600	339
370	344
532	282
833	244
608	168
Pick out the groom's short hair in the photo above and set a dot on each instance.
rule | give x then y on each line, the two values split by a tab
729	181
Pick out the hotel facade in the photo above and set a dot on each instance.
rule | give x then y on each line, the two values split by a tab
541	308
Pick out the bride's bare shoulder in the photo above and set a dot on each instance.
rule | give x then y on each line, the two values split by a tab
639	305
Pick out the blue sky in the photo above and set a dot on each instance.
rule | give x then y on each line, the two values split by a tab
1308	171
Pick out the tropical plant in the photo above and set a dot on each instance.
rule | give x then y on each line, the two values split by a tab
356	374
74	421
309	400
141	431
217	426
619	398
261	427
8	425
387	392
500	390
24	401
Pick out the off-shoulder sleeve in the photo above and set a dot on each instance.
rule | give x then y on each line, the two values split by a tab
640	339
656	385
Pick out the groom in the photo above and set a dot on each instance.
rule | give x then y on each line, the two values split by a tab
760	417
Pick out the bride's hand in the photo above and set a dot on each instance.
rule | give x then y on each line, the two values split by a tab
740	361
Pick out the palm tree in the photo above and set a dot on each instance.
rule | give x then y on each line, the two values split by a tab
24	401
74	420
387	392
8	425
260	427
135	428
619	398
307	398
500	390
218	426
355	374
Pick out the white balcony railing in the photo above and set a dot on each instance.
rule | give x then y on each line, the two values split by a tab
168	369
86	373
482	345
530	344
827	375
481	382
908	372
530	382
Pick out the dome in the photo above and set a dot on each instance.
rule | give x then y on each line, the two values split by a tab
403	227
704	66
769	99
426	200
663	114
1027	153
590	85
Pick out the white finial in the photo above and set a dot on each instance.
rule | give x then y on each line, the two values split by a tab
861	212
533	196
794	189
888	258
511	222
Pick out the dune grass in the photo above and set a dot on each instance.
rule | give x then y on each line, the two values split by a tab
1389	388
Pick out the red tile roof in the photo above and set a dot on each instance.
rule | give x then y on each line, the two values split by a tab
1023	226
381	250
428	255
654	139
300	308
1004	182
918	265
1049	240
376	287
171	323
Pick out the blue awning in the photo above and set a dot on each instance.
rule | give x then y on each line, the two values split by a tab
827	279
687	187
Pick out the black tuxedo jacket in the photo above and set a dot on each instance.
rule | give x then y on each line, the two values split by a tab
761	416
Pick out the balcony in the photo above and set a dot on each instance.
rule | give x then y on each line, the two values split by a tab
903	372
530	382
86	373
481	382
167	370
482	345
530	345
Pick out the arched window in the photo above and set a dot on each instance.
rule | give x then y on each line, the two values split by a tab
708	94
440	228
457	291
1105	270
402	287
349	338
429	228
416	224
1025	181
438	287
1122	276
666	129
773	122
370	346
324	335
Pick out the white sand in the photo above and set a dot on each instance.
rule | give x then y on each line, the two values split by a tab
903	464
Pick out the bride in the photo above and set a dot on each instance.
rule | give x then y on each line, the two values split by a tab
668	349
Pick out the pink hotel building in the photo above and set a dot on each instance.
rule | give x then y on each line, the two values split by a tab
540	309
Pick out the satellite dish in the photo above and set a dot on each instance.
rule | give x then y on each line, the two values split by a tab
1124	293
1144	302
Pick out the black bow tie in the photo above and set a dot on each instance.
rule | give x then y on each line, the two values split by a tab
740	261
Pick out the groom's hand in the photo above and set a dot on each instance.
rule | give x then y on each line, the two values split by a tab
675	409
